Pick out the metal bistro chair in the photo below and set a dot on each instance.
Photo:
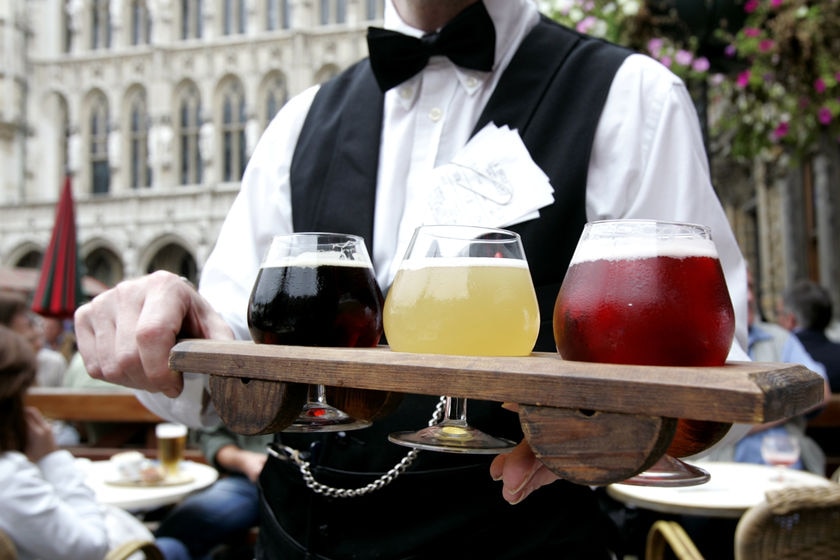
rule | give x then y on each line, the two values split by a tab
791	523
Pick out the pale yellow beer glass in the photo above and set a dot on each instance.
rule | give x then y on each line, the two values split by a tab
171	444
461	290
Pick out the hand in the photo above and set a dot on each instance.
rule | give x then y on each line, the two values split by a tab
520	472
40	440
126	333
252	464
249	463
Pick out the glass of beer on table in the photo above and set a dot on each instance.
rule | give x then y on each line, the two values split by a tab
649	292
317	289
461	290
171	443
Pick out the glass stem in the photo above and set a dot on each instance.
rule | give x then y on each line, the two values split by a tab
318	394
455	411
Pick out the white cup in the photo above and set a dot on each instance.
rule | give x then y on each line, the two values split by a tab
128	464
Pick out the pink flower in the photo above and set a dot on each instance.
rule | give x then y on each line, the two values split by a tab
751	6
730	51
743	79
701	64
752	32
776	3
819	85
766	44
655	47
683	57
824	115
781	130
666	61
585	24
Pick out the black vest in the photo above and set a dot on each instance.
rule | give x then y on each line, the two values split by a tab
553	92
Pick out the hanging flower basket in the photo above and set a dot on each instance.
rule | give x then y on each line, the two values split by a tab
772	66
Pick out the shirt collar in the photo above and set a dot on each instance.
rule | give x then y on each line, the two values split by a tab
508	16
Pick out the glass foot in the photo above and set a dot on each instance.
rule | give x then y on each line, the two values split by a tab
670	471
452	439
316	417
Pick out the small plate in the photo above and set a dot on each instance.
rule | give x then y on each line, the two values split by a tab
172	480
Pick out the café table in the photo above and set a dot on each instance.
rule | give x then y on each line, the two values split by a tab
733	488
102	478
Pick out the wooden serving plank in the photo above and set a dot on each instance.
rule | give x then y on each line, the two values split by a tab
743	392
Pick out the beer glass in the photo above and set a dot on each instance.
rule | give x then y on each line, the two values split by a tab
649	293
461	290
171	443
780	449
317	289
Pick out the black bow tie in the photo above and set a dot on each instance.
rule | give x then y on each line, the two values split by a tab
469	40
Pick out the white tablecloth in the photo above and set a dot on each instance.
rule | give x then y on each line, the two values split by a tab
733	488
144	498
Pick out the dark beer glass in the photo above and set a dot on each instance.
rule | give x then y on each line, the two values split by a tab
649	293
317	289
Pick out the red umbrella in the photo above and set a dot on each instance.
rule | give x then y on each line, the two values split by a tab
59	289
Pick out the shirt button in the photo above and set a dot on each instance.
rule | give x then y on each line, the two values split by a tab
471	82
435	114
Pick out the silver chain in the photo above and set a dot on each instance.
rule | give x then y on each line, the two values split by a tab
378	484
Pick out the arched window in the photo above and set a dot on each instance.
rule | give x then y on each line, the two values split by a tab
276	95
100	25
189	128
233	131
191	19
235	17
104	265
278	15
99	168
176	259
333	11
140	23
375	9
141	173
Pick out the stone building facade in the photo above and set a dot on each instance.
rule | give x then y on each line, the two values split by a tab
153	107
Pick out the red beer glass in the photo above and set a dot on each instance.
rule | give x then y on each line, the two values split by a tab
649	293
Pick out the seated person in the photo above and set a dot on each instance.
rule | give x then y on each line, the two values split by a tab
51	365
772	343
48	510
806	309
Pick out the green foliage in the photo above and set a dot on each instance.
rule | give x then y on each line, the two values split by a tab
778	95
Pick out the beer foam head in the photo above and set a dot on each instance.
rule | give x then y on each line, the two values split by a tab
462	262
168	430
630	247
316	258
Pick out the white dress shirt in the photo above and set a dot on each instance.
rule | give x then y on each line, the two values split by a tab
48	510
647	161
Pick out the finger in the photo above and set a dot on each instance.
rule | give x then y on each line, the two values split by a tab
539	478
161	318
116	335
171	310
497	467
521	473
35	420
86	339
